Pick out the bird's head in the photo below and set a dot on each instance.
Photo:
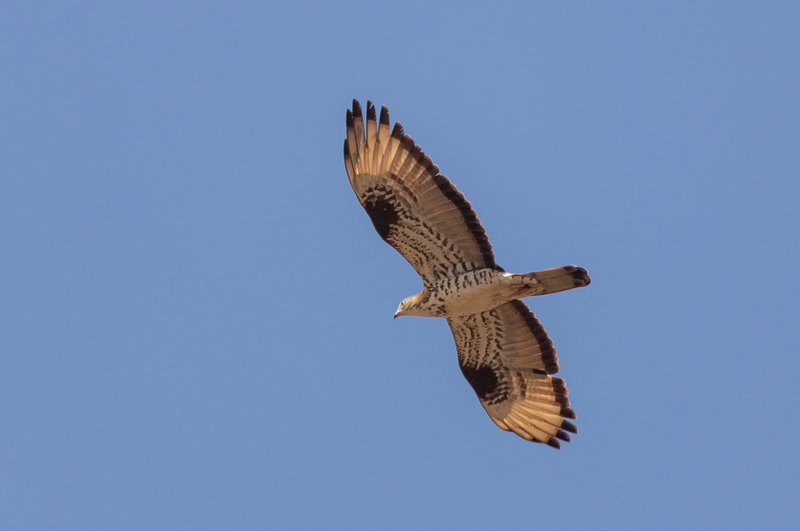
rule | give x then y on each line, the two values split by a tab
403	308
410	306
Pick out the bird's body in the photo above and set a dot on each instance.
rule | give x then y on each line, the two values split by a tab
483	289
503	350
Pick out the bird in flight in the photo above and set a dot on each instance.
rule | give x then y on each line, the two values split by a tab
503	351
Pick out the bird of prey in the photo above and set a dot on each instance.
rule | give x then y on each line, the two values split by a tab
503	351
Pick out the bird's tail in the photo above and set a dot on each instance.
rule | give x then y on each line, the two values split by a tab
552	280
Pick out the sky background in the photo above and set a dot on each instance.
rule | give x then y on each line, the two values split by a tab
196	315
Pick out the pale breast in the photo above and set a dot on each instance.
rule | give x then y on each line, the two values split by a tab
471	292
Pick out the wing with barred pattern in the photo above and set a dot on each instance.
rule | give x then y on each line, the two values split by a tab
508	359
413	207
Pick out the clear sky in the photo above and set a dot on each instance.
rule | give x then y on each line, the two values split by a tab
196	315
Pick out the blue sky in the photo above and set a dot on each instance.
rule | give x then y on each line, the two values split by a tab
196	315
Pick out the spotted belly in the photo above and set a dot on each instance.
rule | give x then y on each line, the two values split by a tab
472	292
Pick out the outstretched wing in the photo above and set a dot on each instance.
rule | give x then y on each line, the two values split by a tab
414	208
507	358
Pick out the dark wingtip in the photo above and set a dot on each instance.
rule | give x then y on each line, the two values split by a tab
564	436
384	116
568	426
568	413
349	118
397	131
553	442
356	109
370	111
